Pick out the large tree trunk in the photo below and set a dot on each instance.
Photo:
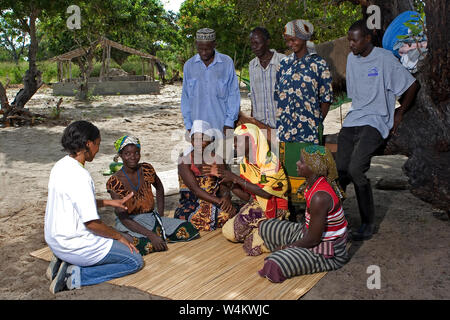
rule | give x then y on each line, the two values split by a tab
32	79
15	113
424	135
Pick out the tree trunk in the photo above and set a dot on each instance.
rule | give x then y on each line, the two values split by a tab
32	78
424	135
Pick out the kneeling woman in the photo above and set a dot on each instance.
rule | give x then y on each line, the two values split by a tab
86	251
147	228
320	243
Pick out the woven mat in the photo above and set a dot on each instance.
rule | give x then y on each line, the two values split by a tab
209	268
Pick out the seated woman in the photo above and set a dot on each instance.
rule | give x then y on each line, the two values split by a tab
320	243
262	184
86	251
147	228
203	201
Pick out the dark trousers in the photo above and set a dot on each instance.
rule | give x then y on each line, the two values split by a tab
356	147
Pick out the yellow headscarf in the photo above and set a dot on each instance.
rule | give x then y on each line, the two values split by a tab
267	172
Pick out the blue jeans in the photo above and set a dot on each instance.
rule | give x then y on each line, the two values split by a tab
117	263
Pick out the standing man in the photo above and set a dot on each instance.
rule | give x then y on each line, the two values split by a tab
374	79
263	70
210	85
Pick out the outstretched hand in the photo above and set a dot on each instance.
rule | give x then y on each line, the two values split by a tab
119	203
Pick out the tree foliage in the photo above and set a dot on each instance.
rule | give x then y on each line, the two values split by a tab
234	19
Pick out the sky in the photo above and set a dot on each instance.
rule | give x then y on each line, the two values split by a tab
173	5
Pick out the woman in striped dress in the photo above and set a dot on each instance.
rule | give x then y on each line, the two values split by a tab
319	244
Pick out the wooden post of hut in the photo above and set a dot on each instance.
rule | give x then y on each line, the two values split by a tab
108	58
152	72
58	66
70	70
102	69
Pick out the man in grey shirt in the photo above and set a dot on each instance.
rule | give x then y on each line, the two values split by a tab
374	79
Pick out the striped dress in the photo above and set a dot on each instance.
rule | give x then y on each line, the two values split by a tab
329	254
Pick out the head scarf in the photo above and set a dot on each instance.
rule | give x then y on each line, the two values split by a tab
263	170
123	141
299	28
205	34
321	162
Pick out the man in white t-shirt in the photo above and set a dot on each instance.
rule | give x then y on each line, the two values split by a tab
86	251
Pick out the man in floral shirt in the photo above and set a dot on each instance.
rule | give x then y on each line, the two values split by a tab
303	88
303	94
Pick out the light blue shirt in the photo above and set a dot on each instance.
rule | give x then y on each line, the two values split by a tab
373	82
210	93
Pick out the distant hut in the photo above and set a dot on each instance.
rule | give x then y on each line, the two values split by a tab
107	83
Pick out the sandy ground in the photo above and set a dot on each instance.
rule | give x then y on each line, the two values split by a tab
411	246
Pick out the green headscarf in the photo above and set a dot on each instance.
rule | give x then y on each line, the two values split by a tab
126	140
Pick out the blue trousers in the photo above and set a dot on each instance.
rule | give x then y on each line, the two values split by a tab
117	263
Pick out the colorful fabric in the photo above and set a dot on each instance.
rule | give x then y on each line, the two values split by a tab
295	261
244	227
123	141
299	28
180	231
142	200
202	214
264	170
336	224
301	86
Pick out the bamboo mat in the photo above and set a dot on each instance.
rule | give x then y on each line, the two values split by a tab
209	268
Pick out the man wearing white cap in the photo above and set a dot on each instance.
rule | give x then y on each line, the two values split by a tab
210	86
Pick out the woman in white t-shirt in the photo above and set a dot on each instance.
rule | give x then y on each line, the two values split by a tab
86	251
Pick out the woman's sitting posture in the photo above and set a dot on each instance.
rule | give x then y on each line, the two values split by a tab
148	228
203	201
86	251
262	184
320	243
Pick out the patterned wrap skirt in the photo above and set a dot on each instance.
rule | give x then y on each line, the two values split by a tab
243	227
175	230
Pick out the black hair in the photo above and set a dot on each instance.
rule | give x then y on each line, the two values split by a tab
361	25
263	31
77	134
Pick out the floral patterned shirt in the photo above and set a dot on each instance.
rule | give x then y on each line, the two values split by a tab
301	86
